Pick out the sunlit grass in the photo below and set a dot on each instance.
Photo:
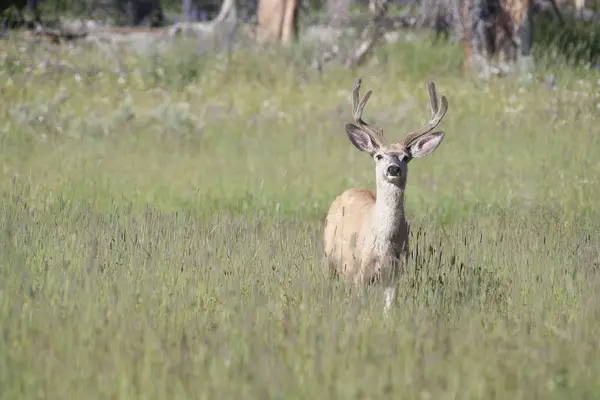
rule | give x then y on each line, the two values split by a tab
162	221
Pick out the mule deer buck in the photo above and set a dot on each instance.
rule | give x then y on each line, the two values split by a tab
366	233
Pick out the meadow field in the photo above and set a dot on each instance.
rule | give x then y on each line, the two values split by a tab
162	228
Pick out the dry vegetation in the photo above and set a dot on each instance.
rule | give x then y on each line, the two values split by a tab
162	223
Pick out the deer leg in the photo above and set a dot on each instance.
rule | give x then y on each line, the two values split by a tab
389	299
392	281
390	296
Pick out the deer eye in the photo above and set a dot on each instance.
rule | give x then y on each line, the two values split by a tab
378	157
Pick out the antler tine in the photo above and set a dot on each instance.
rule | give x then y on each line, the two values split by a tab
433	99
358	106
437	114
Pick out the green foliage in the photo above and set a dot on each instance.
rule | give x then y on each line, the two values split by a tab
161	224
576	41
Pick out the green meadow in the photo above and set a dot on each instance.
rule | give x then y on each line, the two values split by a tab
161	228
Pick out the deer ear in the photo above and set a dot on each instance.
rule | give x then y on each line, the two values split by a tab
360	139
426	145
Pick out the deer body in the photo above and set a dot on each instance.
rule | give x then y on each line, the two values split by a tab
366	233
362	231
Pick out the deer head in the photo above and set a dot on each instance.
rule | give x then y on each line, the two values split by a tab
392	159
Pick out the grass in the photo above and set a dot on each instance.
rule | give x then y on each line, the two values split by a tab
162	222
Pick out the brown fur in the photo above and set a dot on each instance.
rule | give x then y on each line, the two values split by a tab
366	233
349	239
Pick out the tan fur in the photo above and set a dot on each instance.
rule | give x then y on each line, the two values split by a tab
366	234
351	240
343	230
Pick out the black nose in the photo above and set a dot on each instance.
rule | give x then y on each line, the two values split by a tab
393	170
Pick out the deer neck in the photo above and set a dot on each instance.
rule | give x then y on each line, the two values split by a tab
389	222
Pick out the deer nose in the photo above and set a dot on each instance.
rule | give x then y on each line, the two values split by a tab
393	170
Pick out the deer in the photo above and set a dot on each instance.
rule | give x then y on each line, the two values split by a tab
366	234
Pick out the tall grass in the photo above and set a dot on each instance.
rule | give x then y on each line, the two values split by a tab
162	221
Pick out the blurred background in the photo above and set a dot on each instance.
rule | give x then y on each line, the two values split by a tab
566	26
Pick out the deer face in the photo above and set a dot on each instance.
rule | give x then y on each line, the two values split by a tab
391	166
391	161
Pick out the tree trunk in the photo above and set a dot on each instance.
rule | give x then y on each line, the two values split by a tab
276	20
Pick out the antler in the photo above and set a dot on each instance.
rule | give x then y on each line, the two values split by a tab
357	109
437	113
